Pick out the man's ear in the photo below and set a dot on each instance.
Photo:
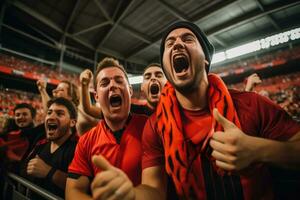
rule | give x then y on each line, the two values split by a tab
143	87
95	96
73	122
130	91
206	62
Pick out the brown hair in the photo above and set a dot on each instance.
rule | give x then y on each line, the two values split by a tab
72	92
152	65
105	63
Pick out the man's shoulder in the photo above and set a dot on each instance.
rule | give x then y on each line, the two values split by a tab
42	142
92	133
237	94
250	99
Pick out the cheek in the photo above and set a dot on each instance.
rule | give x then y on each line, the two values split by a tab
101	96
166	59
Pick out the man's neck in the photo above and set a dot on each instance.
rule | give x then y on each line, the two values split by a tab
116	125
57	143
31	125
196	99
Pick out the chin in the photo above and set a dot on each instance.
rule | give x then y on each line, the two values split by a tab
184	87
50	138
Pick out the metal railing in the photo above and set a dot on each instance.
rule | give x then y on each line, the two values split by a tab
15	181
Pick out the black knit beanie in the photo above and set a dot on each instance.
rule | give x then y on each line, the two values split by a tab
207	47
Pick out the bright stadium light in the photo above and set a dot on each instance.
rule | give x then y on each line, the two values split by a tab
243	49
257	45
218	57
135	80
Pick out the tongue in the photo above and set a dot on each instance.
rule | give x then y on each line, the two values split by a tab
115	101
180	64
154	89
115	104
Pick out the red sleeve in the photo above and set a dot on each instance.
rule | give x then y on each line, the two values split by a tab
275	122
153	153
81	163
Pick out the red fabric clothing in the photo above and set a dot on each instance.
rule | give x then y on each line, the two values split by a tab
169	126
100	140
16	144
258	117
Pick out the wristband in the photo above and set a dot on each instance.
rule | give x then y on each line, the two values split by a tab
50	174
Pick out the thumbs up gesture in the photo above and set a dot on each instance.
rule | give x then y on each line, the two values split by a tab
232	148
111	183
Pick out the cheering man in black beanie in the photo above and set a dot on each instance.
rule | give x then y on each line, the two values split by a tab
215	143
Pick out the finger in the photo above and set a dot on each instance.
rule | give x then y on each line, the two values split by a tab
123	190
219	136
225	166
90	74
222	120
29	170
103	178
108	190
223	157
31	162
101	162
130	195
219	146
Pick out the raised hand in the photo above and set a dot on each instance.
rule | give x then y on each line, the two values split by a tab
111	183
232	148
42	84
252	81
38	168
85	77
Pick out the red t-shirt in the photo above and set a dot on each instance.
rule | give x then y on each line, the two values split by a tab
258	117
125	155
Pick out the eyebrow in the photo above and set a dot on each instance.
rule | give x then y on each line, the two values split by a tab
113	77
56	110
182	35
170	38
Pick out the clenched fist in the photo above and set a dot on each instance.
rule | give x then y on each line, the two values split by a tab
38	168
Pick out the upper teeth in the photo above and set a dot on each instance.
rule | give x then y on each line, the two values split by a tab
179	56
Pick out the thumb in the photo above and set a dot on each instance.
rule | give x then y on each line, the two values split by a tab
101	162
90	74
222	120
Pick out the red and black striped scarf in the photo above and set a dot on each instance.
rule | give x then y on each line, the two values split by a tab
179	153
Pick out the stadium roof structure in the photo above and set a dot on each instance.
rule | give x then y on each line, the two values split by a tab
130	30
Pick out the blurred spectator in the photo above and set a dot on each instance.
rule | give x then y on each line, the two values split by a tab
48	163
36	68
18	142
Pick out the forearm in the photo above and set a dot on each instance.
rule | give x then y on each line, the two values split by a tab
145	192
59	178
86	103
45	99
281	154
75	193
78	188
248	88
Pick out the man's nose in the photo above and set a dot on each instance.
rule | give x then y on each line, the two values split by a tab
153	79
178	44
51	115
112	84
